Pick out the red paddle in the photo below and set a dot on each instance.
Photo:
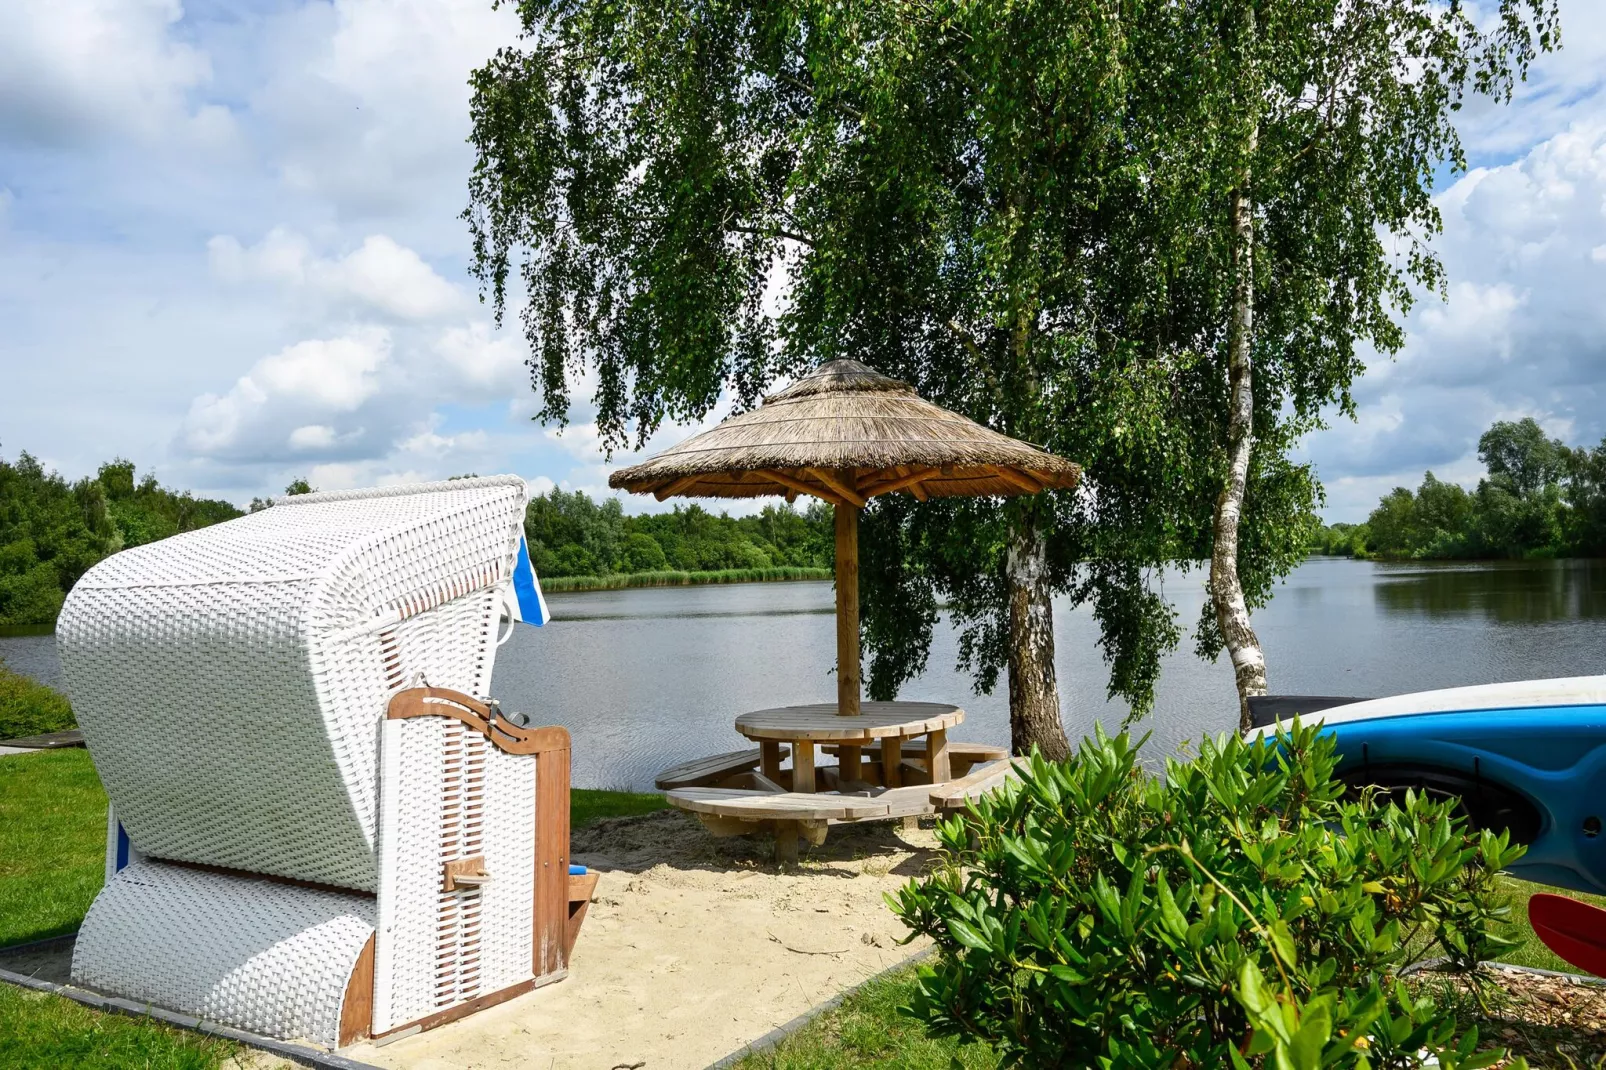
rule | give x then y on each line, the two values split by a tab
1573	930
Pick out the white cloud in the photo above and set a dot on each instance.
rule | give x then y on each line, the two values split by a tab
434	445
1523	331
322	376
370	110
346	122
484	361
351	475
312	437
336	374
380	275
73	70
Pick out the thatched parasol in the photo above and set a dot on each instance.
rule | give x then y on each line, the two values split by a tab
845	434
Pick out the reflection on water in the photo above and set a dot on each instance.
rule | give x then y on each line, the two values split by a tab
1504	591
647	677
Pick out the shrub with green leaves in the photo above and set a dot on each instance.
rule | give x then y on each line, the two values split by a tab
1238	911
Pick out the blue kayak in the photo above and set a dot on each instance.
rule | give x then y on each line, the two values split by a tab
1528	756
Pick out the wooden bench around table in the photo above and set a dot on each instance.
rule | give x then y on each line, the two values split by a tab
794	814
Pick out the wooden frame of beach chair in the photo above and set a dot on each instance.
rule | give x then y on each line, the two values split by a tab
320	832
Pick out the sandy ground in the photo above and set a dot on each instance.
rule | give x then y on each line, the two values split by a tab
693	948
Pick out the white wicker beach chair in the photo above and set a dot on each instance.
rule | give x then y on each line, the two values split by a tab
327	835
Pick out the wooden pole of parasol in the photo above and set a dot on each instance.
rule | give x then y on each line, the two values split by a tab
847	610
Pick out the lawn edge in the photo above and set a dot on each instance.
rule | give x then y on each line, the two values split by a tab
774	1037
113	1005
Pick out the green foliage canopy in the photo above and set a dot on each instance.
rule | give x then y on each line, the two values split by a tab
650	171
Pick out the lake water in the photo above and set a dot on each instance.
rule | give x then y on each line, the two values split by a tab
648	677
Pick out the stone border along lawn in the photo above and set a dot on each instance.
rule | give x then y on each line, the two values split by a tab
52	828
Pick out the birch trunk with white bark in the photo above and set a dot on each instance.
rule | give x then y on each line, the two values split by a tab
1226	589
1034	698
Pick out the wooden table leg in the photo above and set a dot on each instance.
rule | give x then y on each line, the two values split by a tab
770	759
803	766
891	756
937	756
786	834
851	771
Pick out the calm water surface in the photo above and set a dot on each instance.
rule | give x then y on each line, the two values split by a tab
649	677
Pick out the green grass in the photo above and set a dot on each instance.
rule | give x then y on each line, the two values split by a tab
40	1030
681	579
53	838
30	709
587	806
1532	951
52	843
866	1030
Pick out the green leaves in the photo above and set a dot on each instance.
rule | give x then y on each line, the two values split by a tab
1238	911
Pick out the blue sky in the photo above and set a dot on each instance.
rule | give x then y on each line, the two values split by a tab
230	251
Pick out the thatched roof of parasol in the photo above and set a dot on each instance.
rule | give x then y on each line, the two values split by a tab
848	433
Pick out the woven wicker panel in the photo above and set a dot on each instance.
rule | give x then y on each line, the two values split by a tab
411	867
259	955
508	910
457	797
230	681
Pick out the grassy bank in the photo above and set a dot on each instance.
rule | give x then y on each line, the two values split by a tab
680	579
29	709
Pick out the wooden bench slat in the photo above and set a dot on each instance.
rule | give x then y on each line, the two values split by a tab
912	801
955	794
701	771
763	805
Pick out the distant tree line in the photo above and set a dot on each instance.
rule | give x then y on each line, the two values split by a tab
1541	498
52	531
571	535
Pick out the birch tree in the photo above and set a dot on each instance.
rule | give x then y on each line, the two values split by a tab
1334	117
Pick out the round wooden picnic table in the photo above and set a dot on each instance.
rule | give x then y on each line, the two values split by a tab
886	723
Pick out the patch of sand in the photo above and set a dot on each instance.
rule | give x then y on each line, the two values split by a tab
693	948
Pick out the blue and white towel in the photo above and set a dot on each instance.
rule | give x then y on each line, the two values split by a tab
528	600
